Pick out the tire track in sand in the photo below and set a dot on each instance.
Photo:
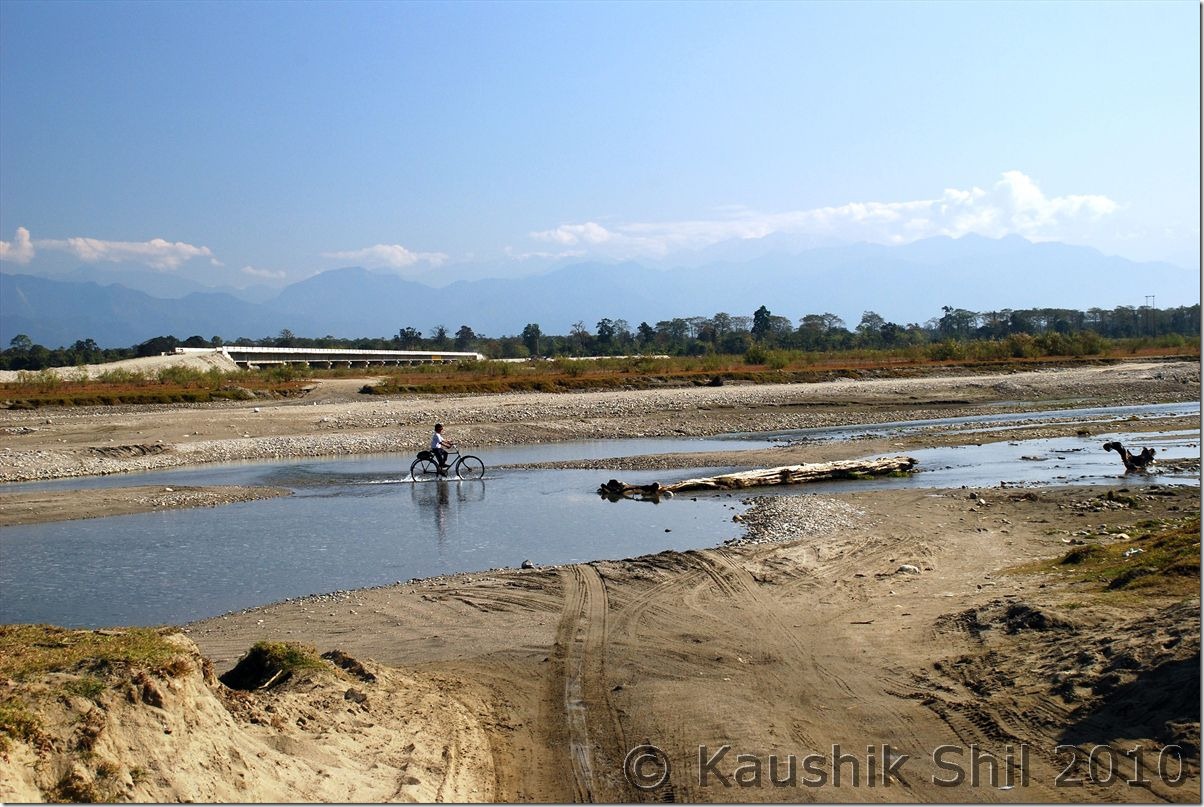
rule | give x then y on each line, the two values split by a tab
594	734
811	686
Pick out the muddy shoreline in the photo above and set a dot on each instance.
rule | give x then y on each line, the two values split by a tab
40	507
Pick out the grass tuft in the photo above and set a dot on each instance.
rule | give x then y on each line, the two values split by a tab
1161	557
30	650
16	723
268	664
85	686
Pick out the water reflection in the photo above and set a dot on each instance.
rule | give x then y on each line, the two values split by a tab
433	502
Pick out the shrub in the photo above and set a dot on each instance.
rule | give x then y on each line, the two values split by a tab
121	376
288	372
182	376
43	380
572	367
494	369
948	349
1088	343
755	355
777	360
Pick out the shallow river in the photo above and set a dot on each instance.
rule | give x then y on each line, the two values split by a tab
360	522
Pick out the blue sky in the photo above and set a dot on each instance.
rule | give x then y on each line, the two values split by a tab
264	142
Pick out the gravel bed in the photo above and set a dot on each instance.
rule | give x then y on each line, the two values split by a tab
478	421
774	519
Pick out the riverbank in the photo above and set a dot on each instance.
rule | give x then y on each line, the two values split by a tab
904	626
909	626
909	619
40	507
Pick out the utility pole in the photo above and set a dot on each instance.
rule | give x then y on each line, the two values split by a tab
1149	313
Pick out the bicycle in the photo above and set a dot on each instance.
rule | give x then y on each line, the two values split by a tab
426	466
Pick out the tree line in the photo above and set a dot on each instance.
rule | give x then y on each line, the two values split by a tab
1018	333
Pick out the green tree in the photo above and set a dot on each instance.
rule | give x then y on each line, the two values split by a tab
761	323
645	334
869	330
956	322
673	333
157	346
580	339
530	337
409	338
465	337
84	351
606	334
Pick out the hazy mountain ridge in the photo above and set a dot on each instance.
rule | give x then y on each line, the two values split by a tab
56	313
904	284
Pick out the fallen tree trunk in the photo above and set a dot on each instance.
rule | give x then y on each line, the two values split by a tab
784	475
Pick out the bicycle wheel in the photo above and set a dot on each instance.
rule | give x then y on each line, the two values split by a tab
424	470
470	467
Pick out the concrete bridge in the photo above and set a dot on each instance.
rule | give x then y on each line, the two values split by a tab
253	357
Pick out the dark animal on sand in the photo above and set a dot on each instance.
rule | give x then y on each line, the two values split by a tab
1133	462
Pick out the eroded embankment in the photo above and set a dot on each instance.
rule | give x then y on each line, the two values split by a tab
138	715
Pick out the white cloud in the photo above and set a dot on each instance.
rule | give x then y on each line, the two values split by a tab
571	234
156	253
19	250
1014	205
393	256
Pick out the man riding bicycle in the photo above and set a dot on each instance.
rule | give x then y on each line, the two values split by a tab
438	441
436	463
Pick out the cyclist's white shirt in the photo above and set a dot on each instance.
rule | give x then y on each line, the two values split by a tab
436	441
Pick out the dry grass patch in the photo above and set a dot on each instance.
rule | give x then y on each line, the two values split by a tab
1161	557
27	651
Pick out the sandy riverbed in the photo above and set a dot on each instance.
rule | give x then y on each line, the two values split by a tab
893	624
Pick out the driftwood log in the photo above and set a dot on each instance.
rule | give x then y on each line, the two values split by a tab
1133	462
784	475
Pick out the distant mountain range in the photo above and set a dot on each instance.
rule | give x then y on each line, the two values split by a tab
903	284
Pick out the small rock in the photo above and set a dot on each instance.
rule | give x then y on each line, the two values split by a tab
528	565
908	568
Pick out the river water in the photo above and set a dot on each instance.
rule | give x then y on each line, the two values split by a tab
359	522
